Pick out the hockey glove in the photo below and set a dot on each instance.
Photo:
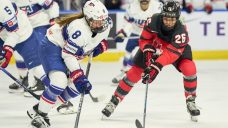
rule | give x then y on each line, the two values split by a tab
148	54
151	72
208	8
120	36
101	47
5	56
52	21
80	81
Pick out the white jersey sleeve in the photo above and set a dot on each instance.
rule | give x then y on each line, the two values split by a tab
14	24
53	11
128	20
51	7
8	21
73	47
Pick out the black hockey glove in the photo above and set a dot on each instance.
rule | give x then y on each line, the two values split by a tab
148	54
151	72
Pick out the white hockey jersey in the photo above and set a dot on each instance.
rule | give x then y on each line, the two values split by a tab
76	38
14	24
135	17
39	11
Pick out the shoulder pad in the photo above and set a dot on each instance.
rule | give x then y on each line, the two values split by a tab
151	23
180	37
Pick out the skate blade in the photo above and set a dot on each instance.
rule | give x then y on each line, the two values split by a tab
194	118
103	117
68	111
21	90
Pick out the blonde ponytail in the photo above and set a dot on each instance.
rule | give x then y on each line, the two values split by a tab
68	19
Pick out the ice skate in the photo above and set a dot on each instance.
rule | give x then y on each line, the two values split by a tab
111	106
39	119
192	109
16	88
38	88
66	108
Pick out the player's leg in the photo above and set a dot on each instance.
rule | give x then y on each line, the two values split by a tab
50	56
23	74
39	112
38	86
29	51
63	103
188	68
127	60
126	84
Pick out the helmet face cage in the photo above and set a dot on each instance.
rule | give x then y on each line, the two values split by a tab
104	24
171	9
96	12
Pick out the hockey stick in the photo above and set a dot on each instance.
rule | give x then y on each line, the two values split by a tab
16	80
137	122
94	99
83	94
132	37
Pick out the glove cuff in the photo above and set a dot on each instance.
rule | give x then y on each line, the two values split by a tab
76	74
104	45
149	48
8	48
157	66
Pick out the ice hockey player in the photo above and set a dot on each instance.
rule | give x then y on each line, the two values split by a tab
164	41
41	14
135	18
71	39
17	34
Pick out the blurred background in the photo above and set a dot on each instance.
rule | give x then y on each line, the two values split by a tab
207	22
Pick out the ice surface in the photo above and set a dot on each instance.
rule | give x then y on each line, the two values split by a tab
166	103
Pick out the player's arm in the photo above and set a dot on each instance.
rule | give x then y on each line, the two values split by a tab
100	48
126	29
70	54
146	37
8	21
73	48
51	7
174	50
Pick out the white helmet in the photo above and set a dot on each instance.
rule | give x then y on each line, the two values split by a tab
95	10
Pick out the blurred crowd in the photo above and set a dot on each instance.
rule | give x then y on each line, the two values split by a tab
188	5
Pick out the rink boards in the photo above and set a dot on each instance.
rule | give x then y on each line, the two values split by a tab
208	35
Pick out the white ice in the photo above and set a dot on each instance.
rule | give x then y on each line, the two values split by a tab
166	106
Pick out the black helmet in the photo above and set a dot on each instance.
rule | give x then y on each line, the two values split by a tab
171	9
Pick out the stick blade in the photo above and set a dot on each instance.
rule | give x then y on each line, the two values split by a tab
98	99
138	124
